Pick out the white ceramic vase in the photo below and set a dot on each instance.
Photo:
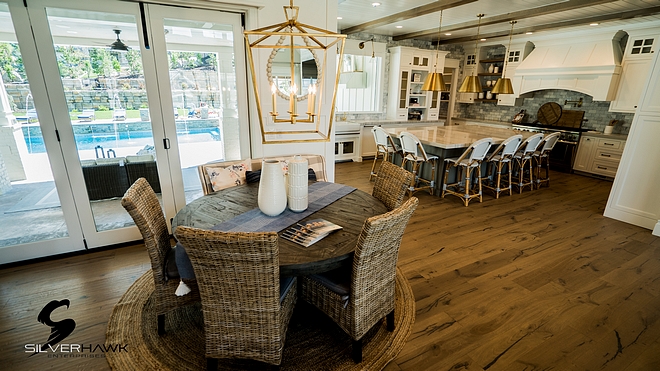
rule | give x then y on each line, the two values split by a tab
608	129
272	193
489	95
297	184
496	69
491	68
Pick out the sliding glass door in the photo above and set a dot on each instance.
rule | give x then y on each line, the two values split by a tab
200	62
37	212
125	90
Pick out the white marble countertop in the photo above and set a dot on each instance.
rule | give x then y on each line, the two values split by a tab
456	136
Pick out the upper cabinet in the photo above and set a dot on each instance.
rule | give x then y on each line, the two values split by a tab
635	68
408	70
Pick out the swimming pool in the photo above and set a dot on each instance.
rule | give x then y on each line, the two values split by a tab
35	141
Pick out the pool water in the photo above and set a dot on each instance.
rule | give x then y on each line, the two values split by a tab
35	142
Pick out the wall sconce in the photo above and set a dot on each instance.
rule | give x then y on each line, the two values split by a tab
296	73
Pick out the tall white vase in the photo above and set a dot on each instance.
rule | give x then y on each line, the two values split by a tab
272	193
297	187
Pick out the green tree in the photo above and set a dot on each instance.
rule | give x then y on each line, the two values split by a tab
11	63
134	62
101	62
72	61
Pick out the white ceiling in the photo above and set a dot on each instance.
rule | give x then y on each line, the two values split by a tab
498	12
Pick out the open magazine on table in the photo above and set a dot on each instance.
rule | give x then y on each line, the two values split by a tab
309	232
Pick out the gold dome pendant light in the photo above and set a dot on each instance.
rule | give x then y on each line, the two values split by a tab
471	84
503	84
434	81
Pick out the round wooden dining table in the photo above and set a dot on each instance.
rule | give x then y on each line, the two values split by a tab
329	253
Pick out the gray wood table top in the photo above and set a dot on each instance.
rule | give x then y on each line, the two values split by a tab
350	212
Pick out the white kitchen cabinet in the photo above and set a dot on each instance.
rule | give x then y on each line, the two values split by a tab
347	147
368	143
585	154
633	75
598	155
408	70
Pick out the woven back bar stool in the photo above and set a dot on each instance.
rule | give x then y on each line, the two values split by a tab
465	166
542	157
500	158
523	161
414	153
385	148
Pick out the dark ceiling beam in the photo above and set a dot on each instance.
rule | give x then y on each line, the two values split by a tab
407	14
558	25
515	16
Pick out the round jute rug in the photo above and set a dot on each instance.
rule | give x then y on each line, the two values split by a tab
313	341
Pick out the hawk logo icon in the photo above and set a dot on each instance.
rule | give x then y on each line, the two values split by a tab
58	330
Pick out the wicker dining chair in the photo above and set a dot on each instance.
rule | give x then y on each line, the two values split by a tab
392	184
359	296
142	204
246	307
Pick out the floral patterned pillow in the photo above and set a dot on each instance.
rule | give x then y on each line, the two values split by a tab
228	176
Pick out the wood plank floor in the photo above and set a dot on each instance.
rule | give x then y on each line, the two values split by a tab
536	281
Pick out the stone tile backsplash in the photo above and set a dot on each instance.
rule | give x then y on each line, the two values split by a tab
596	113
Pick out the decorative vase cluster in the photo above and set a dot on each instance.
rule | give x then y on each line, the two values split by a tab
275	192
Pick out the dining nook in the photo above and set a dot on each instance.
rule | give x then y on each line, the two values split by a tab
329	185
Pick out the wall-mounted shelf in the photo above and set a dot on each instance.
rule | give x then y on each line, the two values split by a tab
486	100
489	74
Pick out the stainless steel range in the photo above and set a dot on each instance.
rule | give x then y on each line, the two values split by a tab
550	119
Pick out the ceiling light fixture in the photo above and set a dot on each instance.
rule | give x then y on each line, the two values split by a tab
448	34
529	33
375	4
118	45
340	18
399	26
471	84
289	38
593	24
503	84
434	81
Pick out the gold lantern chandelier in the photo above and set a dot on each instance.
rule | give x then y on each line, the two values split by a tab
296	71
503	84
434	81
471	84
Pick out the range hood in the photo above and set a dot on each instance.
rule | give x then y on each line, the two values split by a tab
592	68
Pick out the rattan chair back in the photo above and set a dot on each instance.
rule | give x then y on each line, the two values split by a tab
238	279
374	268
142	204
392	184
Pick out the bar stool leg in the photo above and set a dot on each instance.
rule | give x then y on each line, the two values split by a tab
432	183
479	180
373	166
444	181
510	168
468	175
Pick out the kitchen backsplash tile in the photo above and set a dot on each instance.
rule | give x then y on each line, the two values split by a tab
596	113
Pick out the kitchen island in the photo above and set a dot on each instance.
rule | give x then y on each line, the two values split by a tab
450	141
